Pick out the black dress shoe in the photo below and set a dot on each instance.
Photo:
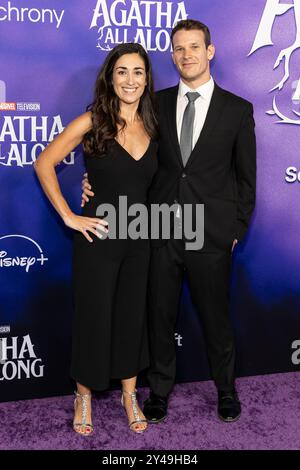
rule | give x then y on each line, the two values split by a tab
155	408
229	407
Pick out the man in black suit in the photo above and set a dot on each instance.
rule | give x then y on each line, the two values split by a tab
207	155
218	171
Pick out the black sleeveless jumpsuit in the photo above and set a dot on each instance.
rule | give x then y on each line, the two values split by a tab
110	277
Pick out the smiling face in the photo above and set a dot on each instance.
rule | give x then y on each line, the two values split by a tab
129	78
191	56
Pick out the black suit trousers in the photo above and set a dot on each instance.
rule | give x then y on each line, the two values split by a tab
209	277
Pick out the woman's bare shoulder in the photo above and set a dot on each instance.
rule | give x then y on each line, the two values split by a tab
82	124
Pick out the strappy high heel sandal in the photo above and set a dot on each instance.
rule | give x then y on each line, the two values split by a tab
88	428
137	418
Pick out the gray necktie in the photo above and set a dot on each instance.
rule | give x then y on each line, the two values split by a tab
186	135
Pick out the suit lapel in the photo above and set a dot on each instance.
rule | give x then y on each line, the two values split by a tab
217	103
171	116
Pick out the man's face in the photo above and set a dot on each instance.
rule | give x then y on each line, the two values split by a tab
191	56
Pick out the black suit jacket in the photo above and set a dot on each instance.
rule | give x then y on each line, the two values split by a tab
221	171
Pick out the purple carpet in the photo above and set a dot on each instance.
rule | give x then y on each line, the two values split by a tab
270	420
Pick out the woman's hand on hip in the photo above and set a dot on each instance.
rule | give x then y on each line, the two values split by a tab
86	224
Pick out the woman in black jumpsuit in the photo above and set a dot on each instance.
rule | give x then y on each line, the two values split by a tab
110	277
110	272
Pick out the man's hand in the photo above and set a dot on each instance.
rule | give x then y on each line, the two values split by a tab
86	188
233	244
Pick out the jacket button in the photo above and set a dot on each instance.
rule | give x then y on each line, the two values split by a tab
183	175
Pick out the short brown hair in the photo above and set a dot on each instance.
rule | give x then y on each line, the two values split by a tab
192	24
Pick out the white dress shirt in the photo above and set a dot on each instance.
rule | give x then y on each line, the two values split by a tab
201	106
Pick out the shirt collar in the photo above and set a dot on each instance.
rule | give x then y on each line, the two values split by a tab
205	90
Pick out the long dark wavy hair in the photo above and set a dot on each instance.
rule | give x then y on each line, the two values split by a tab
105	108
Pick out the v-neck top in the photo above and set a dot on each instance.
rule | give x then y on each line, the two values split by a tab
126	151
116	173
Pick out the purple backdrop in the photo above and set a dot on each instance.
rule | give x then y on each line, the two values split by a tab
50	53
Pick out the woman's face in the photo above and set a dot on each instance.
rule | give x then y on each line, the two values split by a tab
129	78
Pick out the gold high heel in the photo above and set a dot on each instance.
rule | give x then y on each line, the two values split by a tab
137	418
87	426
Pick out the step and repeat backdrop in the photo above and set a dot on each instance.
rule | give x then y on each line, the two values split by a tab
50	52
